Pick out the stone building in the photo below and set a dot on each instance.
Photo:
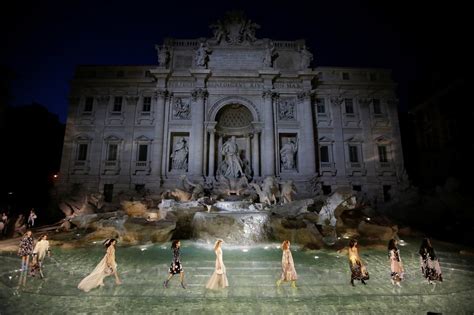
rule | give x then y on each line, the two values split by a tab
230	106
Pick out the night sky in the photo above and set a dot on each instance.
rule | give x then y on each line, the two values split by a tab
43	41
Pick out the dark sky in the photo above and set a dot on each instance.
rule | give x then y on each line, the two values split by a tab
45	40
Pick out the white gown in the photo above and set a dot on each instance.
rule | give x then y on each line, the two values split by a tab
41	248
218	279
96	277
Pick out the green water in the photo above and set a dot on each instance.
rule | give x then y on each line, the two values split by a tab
323	285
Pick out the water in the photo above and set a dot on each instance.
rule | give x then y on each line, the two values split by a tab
323	285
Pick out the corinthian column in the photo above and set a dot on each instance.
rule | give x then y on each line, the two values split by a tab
306	147
268	152
196	154
159	99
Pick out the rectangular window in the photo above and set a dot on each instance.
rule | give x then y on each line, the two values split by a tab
353	154
386	193
89	104
345	76
108	192
146	104
117	104
82	152
383	153
326	189
140	188
356	187
320	106
377	107
324	150
113	152
143	152
349	105
373	76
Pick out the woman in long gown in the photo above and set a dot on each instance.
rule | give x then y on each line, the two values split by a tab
429	262
176	267
396	267
288	272
218	279
26	249
106	267
39	253
358	270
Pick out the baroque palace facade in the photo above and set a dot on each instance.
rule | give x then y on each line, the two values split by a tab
136	127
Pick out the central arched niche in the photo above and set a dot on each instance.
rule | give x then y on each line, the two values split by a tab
235	120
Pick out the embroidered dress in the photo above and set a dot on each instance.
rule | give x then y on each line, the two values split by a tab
26	246
430	267
176	267
358	270
288	272
396	265
218	279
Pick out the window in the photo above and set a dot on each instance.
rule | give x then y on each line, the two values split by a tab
326	189
377	107
143	152
349	105
320	106
117	104
146	104
113	152
108	192
386	193
140	188
148	74
383	153
345	76
356	187
353	154
89	104
373	76
120	74
324	151
82	152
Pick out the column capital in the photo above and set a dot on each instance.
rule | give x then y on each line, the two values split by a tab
337	100
270	94
365	101
199	94
132	100
305	95
160	93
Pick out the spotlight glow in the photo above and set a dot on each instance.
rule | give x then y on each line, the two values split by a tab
316	257
245	250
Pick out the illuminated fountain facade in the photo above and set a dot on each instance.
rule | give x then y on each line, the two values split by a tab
143	127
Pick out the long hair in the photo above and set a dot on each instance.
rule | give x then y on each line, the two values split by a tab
109	242
174	243
352	242
42	237
285	245
427	248
392	245
217	244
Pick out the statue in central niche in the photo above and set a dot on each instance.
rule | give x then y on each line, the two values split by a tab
233	163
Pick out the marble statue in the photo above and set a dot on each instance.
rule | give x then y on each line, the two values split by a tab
288	155
197	189
287	191
306	58
180	155
163	56
270	55
202	56
340	198
233	163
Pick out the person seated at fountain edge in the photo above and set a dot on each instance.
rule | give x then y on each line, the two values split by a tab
358	270
288	272
175	267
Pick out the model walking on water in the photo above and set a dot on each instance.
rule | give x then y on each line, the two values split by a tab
218	279
26	250
396	267
288	272
429	262
358	270
175	267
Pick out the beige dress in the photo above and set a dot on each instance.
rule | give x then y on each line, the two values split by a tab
41	249
288	272
96	277
218	279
